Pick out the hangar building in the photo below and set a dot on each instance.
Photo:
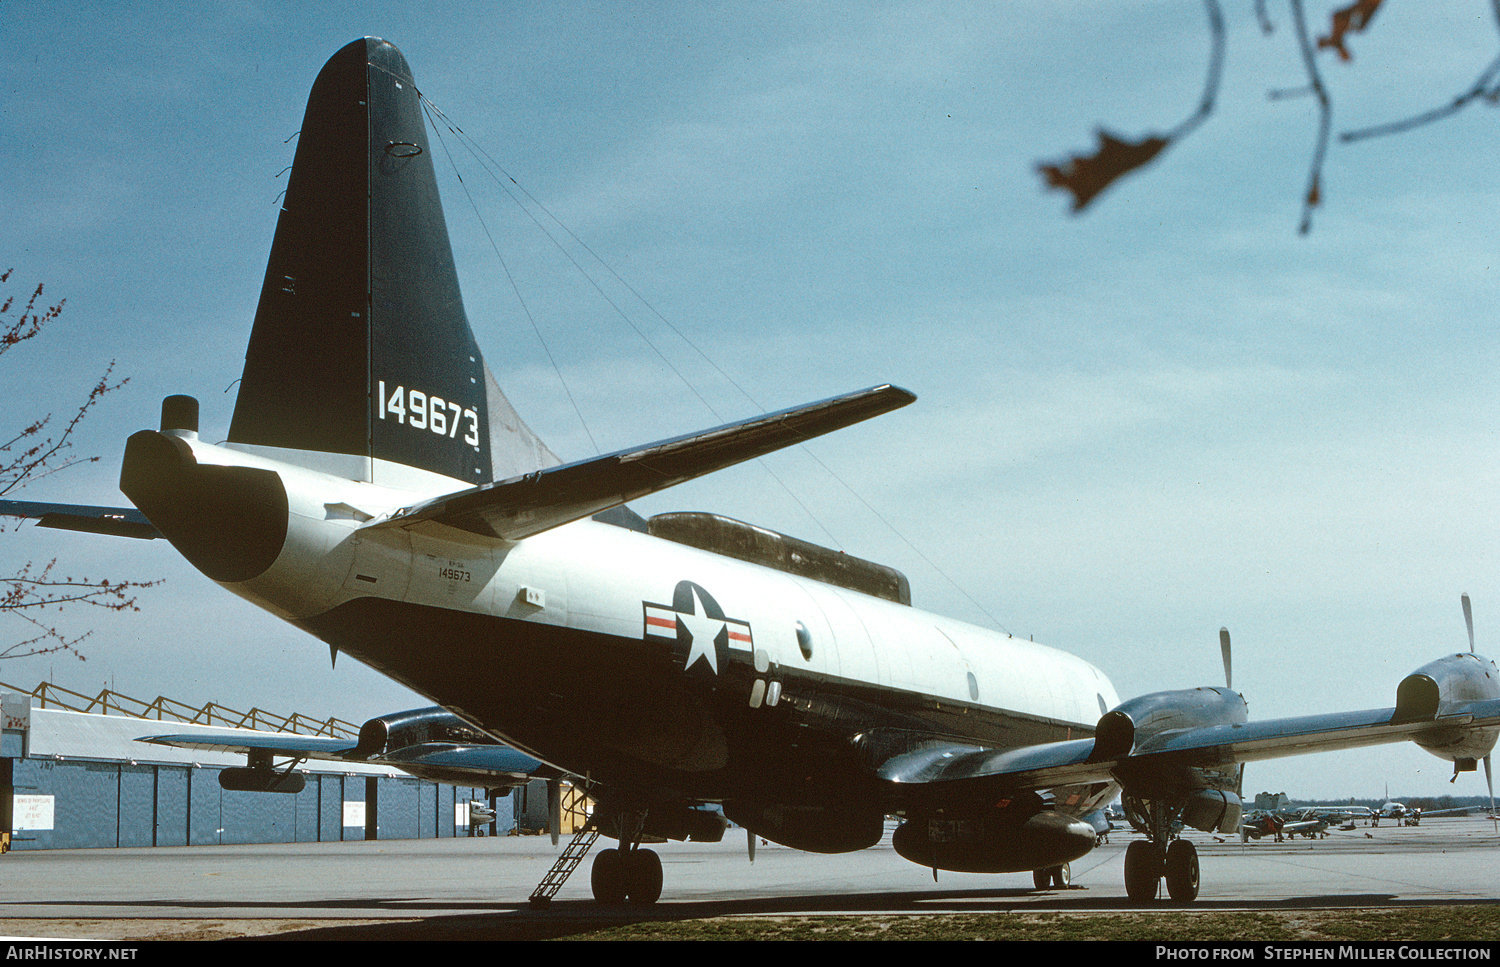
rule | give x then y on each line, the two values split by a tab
73	778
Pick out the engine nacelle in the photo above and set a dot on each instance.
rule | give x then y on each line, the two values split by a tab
1213	810
401	730
1442	688
435	744
1154	717
1185	708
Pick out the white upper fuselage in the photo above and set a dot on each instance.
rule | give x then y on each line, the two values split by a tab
598	578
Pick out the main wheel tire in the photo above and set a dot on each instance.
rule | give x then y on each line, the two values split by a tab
643	876
1182	871
1041	879
607	876
1142	871
1062	877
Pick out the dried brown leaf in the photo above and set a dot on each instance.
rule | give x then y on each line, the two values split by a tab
1351	19
1086	176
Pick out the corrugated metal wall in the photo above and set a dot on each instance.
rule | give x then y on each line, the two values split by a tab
102	804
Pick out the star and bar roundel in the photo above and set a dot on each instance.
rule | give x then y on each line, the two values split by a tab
697	628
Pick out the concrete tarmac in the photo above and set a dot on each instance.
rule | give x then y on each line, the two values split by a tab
248	890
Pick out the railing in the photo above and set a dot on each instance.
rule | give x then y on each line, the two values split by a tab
48	695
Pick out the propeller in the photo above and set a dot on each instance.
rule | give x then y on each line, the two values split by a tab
1468	618
750	842
1239	786
1489	779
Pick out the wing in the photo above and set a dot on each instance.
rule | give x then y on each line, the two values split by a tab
294	746
469	765
427	743
936	771
118	521
529	504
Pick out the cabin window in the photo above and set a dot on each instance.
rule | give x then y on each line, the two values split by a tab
804	641
973	687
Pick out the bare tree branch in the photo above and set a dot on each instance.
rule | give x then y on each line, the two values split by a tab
31	593
1486	87
1086	177
1314	194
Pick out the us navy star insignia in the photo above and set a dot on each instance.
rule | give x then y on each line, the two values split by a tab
696	626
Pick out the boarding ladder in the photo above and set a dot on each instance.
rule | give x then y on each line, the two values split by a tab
578	848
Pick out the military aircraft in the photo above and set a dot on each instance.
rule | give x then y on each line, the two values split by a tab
429	743
379	492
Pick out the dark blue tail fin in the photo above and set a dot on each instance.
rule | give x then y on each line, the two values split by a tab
361	361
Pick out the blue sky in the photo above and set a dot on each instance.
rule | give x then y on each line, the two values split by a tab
1169	414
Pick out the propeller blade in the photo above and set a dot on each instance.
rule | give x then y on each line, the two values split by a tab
1224	647
750	837
1489	781
1468	619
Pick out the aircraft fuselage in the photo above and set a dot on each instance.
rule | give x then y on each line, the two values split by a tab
643	663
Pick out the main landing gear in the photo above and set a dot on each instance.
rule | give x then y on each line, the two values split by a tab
629	873
625	874
1052	878
1146	864
1161	856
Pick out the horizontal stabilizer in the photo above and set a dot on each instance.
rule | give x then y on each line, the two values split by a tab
535	502
118	521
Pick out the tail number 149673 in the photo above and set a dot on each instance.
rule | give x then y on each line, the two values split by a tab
424	411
